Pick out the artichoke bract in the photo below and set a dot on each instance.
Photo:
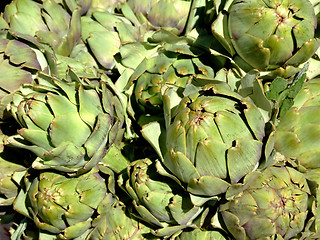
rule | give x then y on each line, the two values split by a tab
214	139
70	127
271	34
64	206
274	204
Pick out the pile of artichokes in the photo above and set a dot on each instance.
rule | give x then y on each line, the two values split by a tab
160	119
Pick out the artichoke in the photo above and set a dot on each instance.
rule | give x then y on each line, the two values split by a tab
48	22
64	206
159	200
134	122
166	72
270	204
114	222
277	33
58	31
206	153
177	62
297	134
69	126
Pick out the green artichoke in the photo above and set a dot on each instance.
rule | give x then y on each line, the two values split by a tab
214	139
177	62
114	222
164	74
297	134
58	32
272	34
69	126
159	200
270	204
64	206
47	21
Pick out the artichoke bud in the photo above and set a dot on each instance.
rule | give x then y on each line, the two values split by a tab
70	127
274	202
65	206
50	27
206	152
269	35
168	73
158	200
114	222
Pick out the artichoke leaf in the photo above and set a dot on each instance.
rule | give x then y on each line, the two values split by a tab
233	225
310	159
25	23
19	76
279	50
253	51
308	135
59	104
168	231
210	158
207	186
93	192
265	229
56	17
287	143
89	105
145	214
69	128
77	212
183	210
243	158
305	52
181	166
77	229
20	54
64	157
111	42
39	116
37	137
156	202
